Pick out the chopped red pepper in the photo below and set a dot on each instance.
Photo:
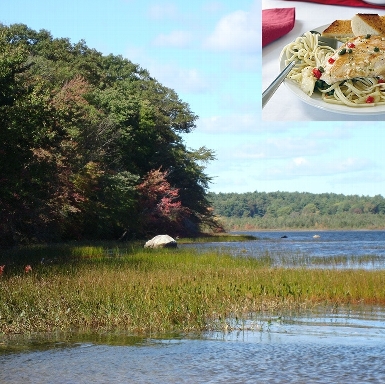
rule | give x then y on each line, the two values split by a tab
380	81
317	73
370	99
351	45
331	60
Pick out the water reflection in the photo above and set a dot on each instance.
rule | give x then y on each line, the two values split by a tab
335	345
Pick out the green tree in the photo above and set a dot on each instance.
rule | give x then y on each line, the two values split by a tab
79	131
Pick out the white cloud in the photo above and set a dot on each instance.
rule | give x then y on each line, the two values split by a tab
299	161
237	32
246	63
241	154
334	134
212	6
303	167
279	148
188	80
351	164
163	11
288	147
236	123
176	39
233	102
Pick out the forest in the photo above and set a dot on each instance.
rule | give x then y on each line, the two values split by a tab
298	210
91	146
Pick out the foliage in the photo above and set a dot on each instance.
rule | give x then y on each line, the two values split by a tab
298	210
80	131
160	204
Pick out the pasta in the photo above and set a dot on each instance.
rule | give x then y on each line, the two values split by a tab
357	92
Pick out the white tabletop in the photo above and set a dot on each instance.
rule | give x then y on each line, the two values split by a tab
284	104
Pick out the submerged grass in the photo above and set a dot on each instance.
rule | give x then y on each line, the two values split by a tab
299	259
109	287
218	238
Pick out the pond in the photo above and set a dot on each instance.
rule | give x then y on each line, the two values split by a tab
333	345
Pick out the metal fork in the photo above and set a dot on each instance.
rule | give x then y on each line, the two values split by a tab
328	41
270	90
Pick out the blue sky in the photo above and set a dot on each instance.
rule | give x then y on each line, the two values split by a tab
209	53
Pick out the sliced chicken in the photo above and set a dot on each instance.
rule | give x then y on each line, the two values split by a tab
362	56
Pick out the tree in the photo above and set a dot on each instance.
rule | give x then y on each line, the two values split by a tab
79	131
160	209
25	158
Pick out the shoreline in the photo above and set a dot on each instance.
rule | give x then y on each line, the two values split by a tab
307	230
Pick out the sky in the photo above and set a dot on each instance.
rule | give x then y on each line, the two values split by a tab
209	52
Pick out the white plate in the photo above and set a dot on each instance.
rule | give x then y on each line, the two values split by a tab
316	99
374	2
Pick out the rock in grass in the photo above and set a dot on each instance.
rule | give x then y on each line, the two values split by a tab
161	241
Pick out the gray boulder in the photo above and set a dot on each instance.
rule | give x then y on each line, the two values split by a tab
161	241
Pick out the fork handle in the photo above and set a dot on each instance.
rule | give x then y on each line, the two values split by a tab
276	83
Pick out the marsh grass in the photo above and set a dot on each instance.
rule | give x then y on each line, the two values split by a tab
85	287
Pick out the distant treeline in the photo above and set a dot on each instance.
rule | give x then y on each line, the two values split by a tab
298	210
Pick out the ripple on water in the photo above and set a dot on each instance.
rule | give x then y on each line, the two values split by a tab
344	346
343	249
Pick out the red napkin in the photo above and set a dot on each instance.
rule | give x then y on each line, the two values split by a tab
276	22
348	3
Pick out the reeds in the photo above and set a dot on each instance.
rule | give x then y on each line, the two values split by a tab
156	291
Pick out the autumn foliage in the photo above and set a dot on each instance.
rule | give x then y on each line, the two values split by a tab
160	206
91	146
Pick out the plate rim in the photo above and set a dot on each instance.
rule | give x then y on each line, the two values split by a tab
374	2
318	103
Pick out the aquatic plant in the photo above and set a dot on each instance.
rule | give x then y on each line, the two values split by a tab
155	291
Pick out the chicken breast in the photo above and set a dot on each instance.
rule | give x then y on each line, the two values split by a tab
362	56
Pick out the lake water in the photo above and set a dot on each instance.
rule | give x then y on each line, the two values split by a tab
335	345
352	249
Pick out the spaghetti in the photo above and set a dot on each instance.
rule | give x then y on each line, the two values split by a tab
356	92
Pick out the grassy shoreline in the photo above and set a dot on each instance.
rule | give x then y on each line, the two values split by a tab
158	291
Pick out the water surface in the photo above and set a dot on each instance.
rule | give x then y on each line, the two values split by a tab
352	249
343	345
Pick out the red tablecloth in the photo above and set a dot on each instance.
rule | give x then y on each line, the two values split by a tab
276	22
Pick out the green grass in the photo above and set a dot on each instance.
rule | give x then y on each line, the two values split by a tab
110	287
